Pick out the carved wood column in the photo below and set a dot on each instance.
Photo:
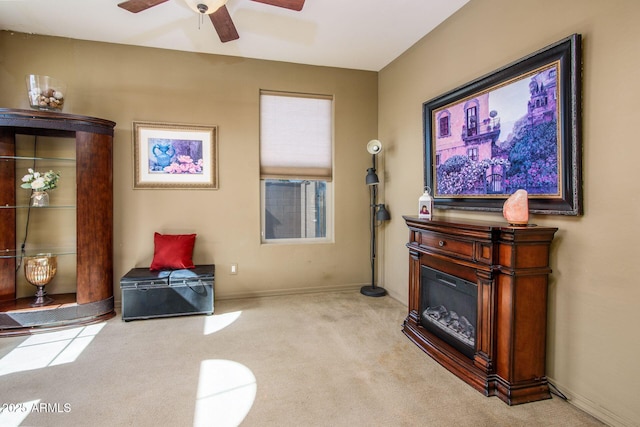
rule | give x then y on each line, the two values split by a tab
484	358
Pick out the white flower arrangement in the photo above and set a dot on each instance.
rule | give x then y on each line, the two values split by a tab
37	181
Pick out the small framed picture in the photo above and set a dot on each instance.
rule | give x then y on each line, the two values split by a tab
168	155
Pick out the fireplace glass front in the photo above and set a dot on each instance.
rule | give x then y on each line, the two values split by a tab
448	309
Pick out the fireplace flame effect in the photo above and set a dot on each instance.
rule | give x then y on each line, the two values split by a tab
451	323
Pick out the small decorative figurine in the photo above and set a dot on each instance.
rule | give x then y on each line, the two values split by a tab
425	205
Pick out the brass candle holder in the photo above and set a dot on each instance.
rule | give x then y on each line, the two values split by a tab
39	270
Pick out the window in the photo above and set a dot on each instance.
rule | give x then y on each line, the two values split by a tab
443	123
472	121
296	167
472	153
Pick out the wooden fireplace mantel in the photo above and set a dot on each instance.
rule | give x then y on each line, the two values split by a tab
510	266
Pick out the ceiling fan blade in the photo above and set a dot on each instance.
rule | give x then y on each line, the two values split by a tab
223	24
287	4
136	6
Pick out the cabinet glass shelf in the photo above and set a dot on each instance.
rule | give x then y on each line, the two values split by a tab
38	207
24	158
57	251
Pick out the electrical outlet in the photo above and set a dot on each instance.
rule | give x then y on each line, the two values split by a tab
234	268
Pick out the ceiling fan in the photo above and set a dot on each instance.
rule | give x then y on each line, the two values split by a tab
216	9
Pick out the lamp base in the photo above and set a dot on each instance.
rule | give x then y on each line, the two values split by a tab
372	291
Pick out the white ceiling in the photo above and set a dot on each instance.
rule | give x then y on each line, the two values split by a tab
357	34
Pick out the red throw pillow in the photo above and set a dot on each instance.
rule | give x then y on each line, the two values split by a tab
172	251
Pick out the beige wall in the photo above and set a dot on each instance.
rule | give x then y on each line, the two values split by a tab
593	339
123	84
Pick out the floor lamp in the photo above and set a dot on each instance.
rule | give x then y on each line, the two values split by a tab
378	213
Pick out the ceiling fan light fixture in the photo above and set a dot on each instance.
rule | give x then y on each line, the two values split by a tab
205	6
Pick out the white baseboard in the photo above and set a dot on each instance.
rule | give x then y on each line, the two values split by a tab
276	292
289	291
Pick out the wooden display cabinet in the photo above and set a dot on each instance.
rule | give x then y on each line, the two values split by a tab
509	266
92	300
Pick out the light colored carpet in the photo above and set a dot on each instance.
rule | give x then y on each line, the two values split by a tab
326	359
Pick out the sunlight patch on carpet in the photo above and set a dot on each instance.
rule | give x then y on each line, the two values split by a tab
226	391
49	349
217	322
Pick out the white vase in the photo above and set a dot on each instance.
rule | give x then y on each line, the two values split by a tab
40	199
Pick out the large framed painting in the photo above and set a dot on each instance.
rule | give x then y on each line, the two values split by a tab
168	155
516	128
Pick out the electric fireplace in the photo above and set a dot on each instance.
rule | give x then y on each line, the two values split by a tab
478	303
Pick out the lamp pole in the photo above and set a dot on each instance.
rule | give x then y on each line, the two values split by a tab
372	181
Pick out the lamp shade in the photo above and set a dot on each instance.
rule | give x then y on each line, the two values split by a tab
372	177
374	146
383	214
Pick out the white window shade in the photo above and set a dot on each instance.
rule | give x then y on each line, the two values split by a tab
295	136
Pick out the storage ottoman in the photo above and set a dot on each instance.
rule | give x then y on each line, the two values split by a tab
147	294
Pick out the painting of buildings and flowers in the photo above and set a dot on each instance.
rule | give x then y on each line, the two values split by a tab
501	140
175	156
